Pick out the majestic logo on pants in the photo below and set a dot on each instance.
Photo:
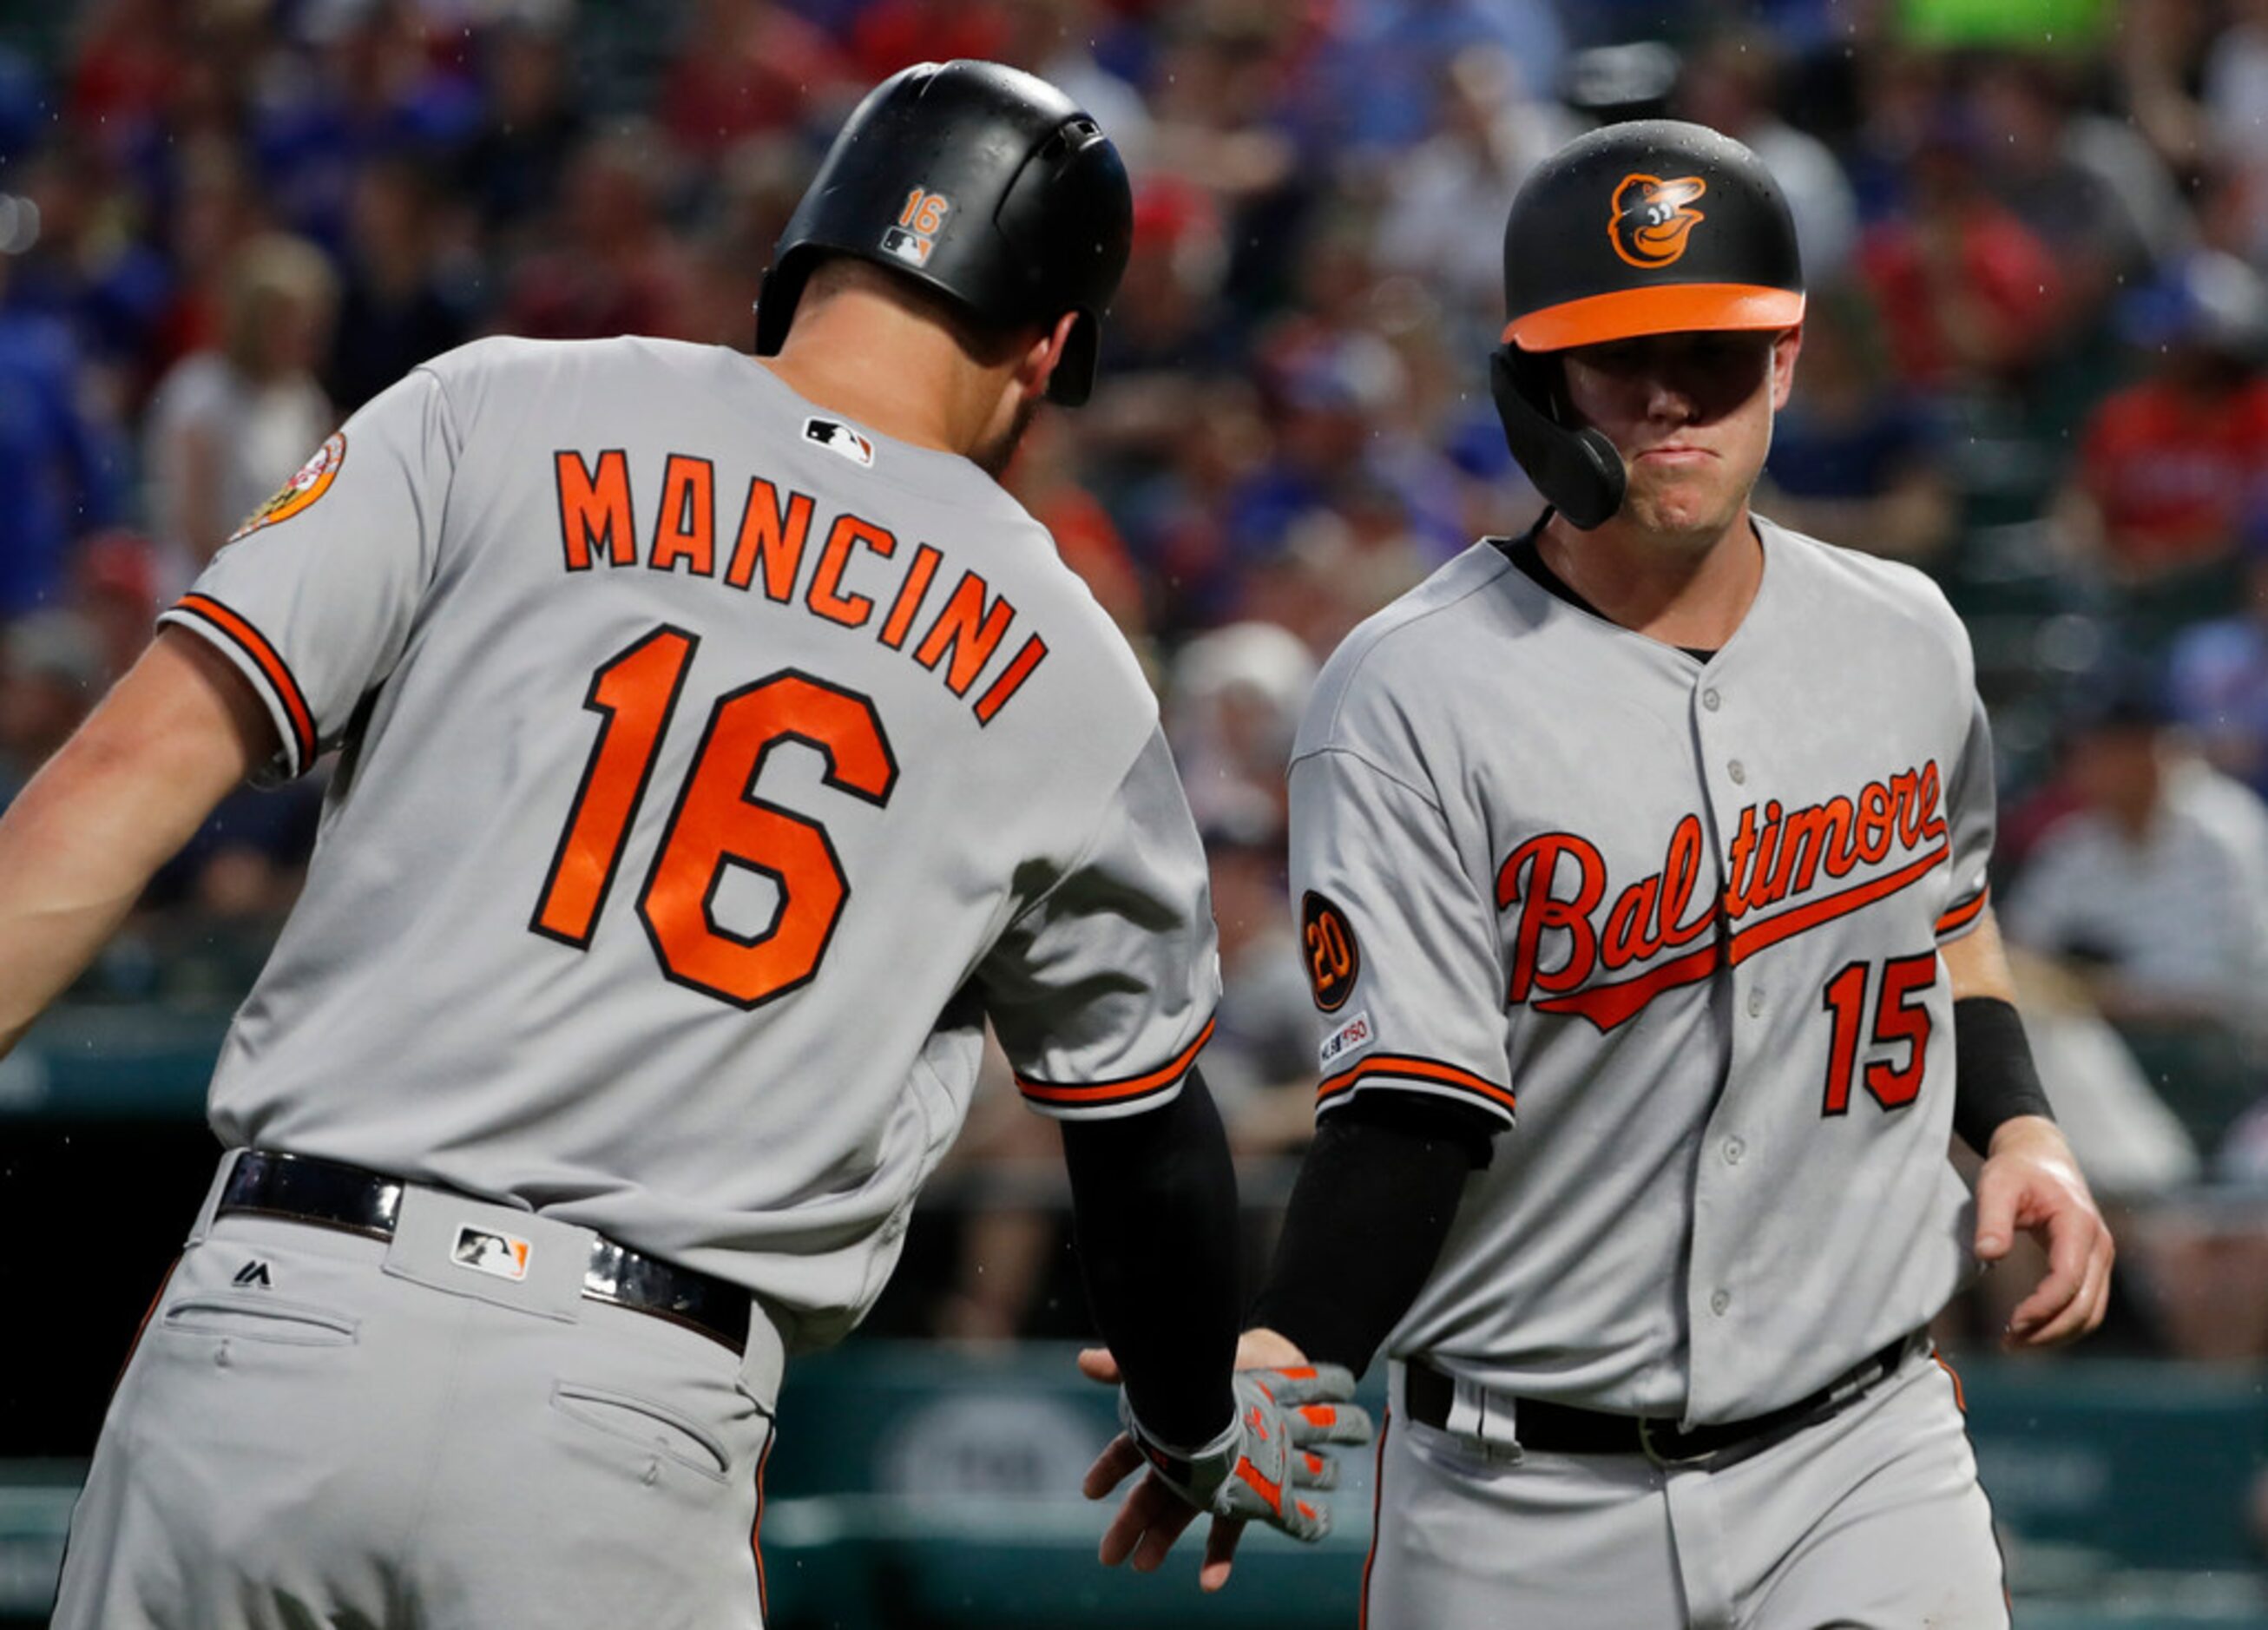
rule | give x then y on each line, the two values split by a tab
1778	856
498	1254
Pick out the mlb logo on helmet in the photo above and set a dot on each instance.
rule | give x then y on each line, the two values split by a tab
501	1256
915	235
1652	218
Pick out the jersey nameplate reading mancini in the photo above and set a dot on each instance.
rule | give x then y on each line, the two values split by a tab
1778	857
773	538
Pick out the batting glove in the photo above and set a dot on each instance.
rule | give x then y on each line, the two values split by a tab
1252	1471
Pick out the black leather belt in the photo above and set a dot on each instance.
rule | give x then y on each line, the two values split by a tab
1551	1428
333	1195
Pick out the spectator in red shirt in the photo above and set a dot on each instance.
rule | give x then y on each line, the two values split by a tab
2168	467
1970	294
615	268
745	67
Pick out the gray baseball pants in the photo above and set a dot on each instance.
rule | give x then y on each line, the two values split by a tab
320	1429
1873	1518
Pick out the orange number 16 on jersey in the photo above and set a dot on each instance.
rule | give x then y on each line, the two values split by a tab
718	820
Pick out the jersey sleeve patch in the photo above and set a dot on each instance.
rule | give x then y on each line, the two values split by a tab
1348	1039
1115	1097
301	492
1406	1072
1334	959
225	628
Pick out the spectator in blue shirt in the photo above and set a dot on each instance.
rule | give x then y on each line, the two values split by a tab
57	465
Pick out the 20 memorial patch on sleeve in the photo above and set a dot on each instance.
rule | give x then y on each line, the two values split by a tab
1334	960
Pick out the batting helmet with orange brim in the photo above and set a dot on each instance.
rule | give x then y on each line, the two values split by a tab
1655	226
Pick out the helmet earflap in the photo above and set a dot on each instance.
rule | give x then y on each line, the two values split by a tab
1575	467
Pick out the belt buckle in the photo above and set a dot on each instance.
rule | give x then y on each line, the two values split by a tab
1666	1463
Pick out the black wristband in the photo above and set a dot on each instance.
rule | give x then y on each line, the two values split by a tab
1994	1078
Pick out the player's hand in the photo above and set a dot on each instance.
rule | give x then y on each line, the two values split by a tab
1284	1405
2030	1181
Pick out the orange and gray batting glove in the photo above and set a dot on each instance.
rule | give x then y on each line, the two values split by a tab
1255	1469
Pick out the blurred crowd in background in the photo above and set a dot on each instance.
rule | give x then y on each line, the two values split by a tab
2035	366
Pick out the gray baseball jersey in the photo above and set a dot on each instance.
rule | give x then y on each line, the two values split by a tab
1684	916
712	768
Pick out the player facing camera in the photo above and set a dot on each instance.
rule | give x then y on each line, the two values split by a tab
1624	251
1643	859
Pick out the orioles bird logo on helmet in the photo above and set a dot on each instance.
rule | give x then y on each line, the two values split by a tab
1653	217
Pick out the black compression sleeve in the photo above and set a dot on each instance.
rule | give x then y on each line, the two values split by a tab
1372	1205
1994	1079
1153	1202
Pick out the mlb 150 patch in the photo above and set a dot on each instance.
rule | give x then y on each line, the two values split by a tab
313	480
1350	1037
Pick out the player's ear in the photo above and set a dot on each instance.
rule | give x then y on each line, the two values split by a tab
1045	356
1786	346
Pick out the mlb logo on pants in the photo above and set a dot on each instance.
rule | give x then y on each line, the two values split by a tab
483	1252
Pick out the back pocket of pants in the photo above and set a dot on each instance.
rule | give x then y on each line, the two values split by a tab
641	1421
259	1319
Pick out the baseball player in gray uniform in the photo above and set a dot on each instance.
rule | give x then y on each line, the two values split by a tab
1641	866
720	747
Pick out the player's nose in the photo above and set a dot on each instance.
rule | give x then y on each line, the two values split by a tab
1669	399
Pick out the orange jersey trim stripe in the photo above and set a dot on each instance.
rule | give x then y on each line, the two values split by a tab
1403	1067
1625	313
1961	916
1119	1091
255	645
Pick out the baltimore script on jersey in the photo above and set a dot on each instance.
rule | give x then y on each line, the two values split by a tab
596	523
1768	863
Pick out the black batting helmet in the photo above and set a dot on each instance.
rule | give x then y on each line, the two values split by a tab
982	183
1656	227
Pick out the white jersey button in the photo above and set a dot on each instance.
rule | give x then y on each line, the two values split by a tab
1720	1301
1711	700
1734	1149
1756	1003
1736	772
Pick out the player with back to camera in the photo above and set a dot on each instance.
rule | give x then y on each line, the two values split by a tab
1667	828
720	747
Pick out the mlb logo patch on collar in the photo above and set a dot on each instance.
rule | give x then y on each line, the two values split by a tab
501	1256
837	437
